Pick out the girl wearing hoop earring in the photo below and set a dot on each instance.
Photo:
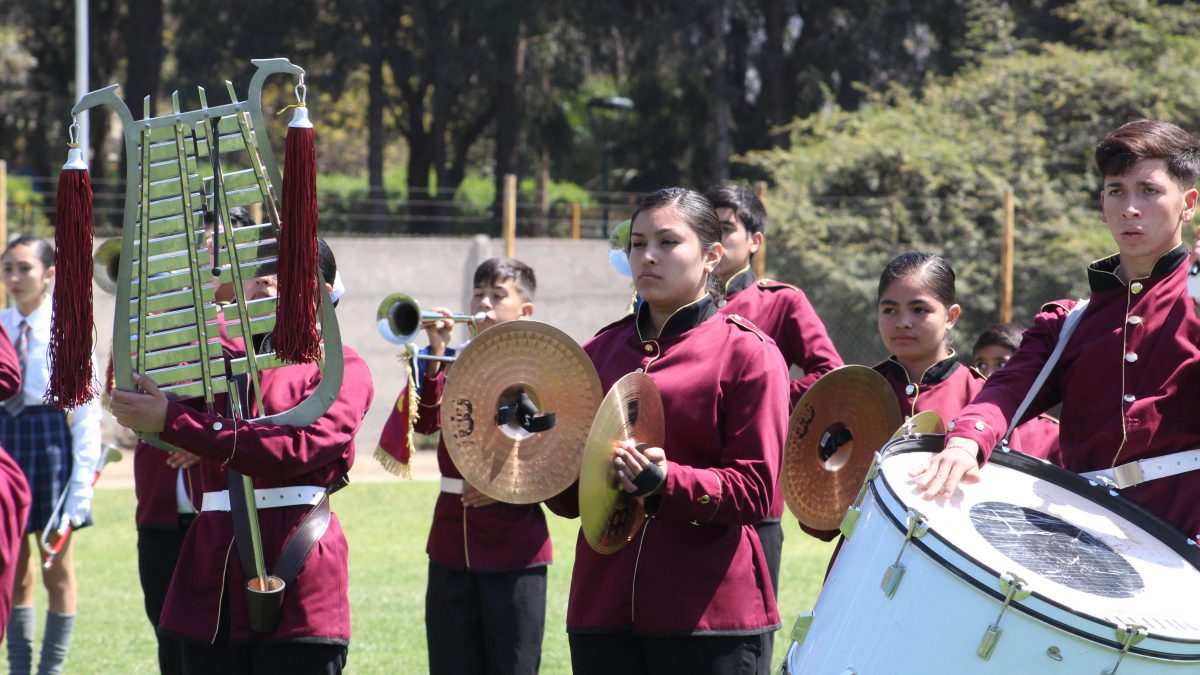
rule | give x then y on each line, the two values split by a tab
691	593
57	451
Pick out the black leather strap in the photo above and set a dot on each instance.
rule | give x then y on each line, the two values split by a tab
525	414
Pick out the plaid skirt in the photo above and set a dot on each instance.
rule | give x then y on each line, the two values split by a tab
40	441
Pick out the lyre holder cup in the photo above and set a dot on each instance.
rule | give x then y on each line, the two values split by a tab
263	604
400	319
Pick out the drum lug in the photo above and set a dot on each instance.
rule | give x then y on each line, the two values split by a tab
800	629
917	527
1013	588
850	520
1128	636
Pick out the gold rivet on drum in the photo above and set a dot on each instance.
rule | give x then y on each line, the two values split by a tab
1054	653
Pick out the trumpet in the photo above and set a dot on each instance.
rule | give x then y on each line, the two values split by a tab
106	265
400	319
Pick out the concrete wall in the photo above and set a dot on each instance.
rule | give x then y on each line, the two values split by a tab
578	292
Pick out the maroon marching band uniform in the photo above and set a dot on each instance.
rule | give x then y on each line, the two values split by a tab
945	387
784	313
154	487
1124	381
15	498
696	566
494	538
315	606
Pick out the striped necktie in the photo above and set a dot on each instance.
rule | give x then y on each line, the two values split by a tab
16	404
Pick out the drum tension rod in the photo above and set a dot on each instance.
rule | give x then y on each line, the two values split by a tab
850	520
1013	588
1128	636
917	527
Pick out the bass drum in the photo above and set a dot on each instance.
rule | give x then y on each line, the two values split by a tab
1032	570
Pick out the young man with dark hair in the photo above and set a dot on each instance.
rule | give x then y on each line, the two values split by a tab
485	603
1129	370
780	310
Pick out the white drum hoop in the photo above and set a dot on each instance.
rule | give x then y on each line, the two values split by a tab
959	563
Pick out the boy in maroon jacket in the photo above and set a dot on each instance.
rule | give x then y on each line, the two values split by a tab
485	604
779	310
1127	376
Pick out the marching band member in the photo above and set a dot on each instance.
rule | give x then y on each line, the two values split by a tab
14	490
206	606
917	312
1125	375
993	348
57	451
780	310
485	602
692	593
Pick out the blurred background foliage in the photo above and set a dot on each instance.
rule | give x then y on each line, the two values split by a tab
879	125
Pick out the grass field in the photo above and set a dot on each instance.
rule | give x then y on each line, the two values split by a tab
387	524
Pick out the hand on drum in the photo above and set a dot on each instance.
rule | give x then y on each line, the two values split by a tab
641	470
957	463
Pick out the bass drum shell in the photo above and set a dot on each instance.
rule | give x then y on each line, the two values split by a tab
1094	562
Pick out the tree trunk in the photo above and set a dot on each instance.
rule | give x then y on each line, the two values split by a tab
721	110
376	140
510	55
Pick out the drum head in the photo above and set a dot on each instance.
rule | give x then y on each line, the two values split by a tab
1073	544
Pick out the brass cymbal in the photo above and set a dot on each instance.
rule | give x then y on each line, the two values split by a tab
505	461
833	434
632	410
926	422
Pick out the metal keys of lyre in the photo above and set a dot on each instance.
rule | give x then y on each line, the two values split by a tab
917	527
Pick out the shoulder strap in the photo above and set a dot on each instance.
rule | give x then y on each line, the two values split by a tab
1064	335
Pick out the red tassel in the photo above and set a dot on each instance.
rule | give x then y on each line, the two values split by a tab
295	337
71	328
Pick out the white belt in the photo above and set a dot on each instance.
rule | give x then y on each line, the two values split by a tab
268	498
452	485
1145	470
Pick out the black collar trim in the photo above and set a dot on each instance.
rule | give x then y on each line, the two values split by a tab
1102	274
935	374
740	282
681	320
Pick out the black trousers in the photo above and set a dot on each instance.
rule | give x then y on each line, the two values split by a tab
485	622
629	654
770	533
293	658
158	552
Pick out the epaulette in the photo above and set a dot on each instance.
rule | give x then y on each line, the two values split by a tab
744	323
1064	305
618	322
772	285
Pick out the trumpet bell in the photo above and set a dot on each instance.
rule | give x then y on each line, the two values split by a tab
106	265
399	319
